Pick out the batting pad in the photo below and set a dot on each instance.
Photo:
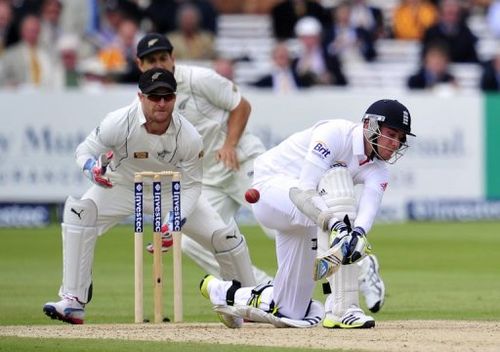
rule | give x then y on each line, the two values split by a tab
79	235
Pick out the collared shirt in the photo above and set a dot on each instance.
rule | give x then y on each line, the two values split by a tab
308	154
205	99
123	131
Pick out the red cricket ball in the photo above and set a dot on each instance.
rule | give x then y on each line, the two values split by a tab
252	195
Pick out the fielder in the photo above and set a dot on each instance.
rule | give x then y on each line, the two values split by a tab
147	135
219	113
306	184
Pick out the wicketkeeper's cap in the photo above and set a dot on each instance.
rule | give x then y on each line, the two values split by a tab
157	80
153	42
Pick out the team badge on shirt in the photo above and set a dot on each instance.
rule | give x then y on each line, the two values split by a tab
383	186
141	155
321	149
201	154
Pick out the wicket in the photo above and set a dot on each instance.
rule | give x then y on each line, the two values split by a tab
157	244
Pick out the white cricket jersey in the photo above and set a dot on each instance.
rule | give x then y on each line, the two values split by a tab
178	149
306	156
205	99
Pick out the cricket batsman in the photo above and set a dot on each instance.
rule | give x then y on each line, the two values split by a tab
306	187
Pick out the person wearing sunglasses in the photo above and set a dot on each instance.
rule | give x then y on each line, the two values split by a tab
148	135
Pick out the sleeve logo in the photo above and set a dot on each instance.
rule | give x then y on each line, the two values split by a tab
321	150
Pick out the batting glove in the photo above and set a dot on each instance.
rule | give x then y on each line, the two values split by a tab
328	263
95	169
356	246
339	231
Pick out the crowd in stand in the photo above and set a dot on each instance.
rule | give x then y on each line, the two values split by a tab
64	43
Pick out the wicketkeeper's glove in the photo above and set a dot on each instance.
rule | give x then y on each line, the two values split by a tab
166	237
95	169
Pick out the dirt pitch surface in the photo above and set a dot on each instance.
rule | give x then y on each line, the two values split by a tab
406	336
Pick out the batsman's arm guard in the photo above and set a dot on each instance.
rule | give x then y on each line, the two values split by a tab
334	198
310	203
336	187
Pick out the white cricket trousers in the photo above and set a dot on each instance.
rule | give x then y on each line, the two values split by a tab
296	244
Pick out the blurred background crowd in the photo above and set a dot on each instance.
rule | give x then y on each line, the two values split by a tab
270	44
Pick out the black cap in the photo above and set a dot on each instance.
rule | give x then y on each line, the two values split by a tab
392	114
151	43
156	78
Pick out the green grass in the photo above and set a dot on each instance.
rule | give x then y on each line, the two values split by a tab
431	271
9	344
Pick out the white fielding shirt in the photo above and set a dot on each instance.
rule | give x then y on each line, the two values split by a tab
205	99
178	149
308	154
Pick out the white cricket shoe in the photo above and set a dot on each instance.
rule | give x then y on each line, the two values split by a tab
370	283
68	310
353	318
215	290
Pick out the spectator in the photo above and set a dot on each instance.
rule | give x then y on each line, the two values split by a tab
493	18
6	25
79	17
119	56
95	77
370	18
283	78
67	47
490	77
51	30
412	18
345	41
434	70
314	65
190	41
285	15
106	30
163	13
453	32
21	9
224	67
27	63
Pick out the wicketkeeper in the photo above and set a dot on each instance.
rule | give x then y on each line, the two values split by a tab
147	135
306	185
